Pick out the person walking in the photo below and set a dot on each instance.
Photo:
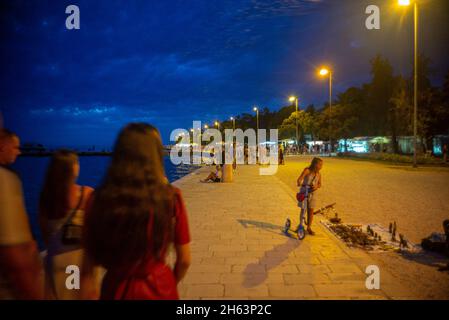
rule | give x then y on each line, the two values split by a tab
62	204
281	156
133	220
21	271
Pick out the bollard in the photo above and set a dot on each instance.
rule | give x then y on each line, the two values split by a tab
227	173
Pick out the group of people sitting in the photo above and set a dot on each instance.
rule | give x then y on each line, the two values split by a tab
117	235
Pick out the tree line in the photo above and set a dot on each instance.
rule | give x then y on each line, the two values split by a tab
382	107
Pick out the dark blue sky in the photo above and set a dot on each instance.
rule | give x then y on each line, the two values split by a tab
172	62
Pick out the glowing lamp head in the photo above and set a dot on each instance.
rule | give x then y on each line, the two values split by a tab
255	109
324	72
206	126
292	99
232	118
404	2
216	123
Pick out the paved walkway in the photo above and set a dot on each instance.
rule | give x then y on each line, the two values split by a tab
239	251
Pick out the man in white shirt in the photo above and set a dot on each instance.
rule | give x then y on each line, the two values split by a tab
21	273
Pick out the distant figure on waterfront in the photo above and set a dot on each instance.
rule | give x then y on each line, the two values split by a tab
214	176
281	156
62	203
134	218
310	178
21	272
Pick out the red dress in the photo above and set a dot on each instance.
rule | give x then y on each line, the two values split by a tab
150	280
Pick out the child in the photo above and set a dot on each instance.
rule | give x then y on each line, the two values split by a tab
311	178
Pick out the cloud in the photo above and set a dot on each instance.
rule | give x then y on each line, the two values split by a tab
74	111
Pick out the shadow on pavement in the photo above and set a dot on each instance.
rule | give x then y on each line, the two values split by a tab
253	275
261	225
431	259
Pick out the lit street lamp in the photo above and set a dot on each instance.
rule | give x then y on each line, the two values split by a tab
295	99
415	88
233	123
257	132
324	72
257	118
217	124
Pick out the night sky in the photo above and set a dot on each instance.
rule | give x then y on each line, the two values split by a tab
172	62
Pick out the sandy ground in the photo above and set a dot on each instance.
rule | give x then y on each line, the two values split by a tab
372	192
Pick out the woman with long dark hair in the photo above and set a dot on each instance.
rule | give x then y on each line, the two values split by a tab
133	219
310	178
62	201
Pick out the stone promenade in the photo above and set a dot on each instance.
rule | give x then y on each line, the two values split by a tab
239	251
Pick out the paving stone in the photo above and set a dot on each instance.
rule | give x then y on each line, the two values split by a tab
310	268
238	291
197	291
202	278
251	279
249	268
296	291
303	278
346	289
206	268
344	268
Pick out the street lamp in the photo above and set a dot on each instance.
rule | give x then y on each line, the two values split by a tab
233	123
217	124
327	72
295	99
257	118
415	87
255	109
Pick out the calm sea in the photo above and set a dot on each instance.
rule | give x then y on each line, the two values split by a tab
92	168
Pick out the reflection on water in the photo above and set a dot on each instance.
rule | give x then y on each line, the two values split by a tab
32	172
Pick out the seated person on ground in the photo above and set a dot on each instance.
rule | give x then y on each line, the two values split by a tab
214	176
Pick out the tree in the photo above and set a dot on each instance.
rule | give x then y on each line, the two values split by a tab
344	121
402	108
355	99
379	119
433	114
288	126
342	125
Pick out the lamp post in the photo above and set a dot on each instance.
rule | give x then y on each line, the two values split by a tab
324	72
233	123
295	99
257	118
415	76
217	124
257	132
